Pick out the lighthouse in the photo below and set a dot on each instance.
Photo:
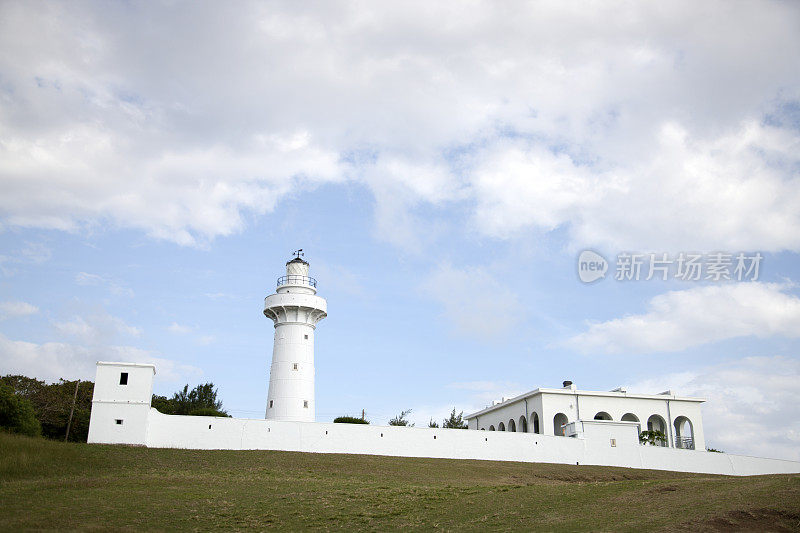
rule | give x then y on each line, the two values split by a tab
295	309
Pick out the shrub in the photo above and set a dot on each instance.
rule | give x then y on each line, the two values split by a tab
654	438
433	423
349	420
16	414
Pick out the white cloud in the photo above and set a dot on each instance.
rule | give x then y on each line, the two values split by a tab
16	309
752	404
51	361
677	320
96	329
30	254
470	396
483	393
87	279
205	340
342	279
734	190
179	329
634	131
474	303
422	415
219	296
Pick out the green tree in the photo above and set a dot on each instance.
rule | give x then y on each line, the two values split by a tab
52	404
455	421
200	401
433	423
180	401
17	414
400	420
205	397
162	404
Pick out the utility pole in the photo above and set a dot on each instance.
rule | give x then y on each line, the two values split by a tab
72	411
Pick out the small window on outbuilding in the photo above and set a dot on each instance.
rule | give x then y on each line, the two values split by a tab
294	366
118	421
305	403
123	378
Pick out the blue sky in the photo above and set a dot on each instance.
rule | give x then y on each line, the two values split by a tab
442	170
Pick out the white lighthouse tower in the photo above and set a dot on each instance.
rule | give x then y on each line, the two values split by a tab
295	309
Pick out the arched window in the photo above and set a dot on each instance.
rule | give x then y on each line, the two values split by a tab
501	427
511	425
602	415
535	422
523	424
559	421
491	428
656	423
630	417
684	433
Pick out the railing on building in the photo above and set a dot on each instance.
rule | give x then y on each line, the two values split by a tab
684	443
297	280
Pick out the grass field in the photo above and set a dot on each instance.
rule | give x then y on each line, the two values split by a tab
51	485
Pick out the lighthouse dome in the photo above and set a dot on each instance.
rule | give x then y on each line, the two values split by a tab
297	267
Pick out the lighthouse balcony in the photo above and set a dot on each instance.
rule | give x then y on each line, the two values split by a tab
297	280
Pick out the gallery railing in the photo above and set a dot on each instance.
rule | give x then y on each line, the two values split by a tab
296	280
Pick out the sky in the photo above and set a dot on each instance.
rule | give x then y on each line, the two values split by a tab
443	166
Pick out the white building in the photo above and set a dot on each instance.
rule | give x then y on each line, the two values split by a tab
121	403
559	412
605	426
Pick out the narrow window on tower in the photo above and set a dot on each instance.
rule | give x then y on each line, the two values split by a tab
305	336
305	403
294	366
123	378
270	404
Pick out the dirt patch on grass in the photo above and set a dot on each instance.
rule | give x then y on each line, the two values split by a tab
748	520
662	489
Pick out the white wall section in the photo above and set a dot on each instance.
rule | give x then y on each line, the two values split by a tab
599	442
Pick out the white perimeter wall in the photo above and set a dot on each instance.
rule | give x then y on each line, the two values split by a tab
198	432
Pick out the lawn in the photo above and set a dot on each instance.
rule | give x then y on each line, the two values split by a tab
52	485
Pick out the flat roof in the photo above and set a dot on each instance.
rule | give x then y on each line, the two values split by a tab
571	392
140	365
